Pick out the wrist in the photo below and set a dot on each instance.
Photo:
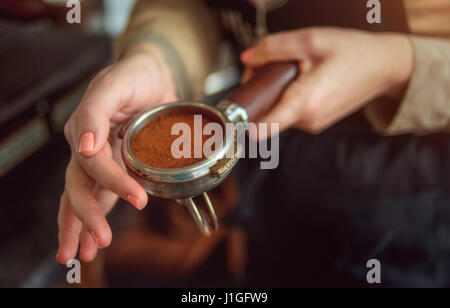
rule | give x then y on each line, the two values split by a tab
400	66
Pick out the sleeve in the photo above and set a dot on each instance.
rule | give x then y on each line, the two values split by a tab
426	106
184	31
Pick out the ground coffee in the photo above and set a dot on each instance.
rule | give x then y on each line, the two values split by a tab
152	145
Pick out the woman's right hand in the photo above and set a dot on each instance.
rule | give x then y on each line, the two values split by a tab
95	176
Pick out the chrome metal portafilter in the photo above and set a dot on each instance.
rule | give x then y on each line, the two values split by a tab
184	184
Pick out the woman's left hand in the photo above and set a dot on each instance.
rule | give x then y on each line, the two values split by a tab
341	70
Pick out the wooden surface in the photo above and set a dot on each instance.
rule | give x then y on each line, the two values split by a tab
429	17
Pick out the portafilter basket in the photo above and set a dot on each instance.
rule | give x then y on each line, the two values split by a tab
247	102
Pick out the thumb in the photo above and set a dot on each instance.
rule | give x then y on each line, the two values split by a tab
90	123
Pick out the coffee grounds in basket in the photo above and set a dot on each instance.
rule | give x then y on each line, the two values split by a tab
152	145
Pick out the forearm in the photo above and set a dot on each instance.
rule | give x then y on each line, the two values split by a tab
425	107
185	33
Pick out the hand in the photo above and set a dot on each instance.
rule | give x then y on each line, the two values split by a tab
341	70
95	177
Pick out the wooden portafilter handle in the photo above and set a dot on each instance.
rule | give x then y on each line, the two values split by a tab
261	92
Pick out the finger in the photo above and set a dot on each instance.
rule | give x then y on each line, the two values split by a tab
105	170
106	199
247	75
90	123
85	206
285	113
247	55
285	46
69	232
88	247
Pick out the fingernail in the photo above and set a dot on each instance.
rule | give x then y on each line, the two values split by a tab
135	201
247	55
86	143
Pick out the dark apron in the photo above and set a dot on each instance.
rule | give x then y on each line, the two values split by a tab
342	198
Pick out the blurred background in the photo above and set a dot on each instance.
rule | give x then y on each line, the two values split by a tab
45	67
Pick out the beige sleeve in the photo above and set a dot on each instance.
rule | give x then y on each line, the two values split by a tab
426	105
185	31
